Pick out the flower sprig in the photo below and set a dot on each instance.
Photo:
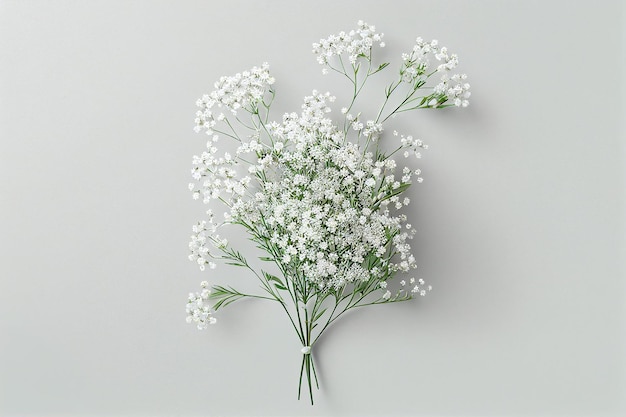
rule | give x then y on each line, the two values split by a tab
320	197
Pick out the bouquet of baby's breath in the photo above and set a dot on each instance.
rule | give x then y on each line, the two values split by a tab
319	196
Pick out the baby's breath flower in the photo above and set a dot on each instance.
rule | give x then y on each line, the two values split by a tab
323	200
232	93
198	310
355	44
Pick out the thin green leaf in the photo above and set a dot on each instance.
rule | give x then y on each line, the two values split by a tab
380	68
319	314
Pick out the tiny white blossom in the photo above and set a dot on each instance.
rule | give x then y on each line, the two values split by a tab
198	309
355	44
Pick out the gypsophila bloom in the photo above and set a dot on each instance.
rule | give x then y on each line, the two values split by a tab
308	198
321	194
355	44
232	94
198	309
458	92
416	69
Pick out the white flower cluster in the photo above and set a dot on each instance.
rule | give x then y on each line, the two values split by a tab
457	92
370	129
232	93
355	43
326	206
404	292
416	66
411	145
198	309
417	62
200	252
217	176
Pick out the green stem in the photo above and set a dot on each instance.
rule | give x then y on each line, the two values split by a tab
308	375
389	93
300	379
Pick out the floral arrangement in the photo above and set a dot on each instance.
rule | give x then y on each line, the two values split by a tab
320	197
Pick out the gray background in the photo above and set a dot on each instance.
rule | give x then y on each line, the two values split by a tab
520	217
